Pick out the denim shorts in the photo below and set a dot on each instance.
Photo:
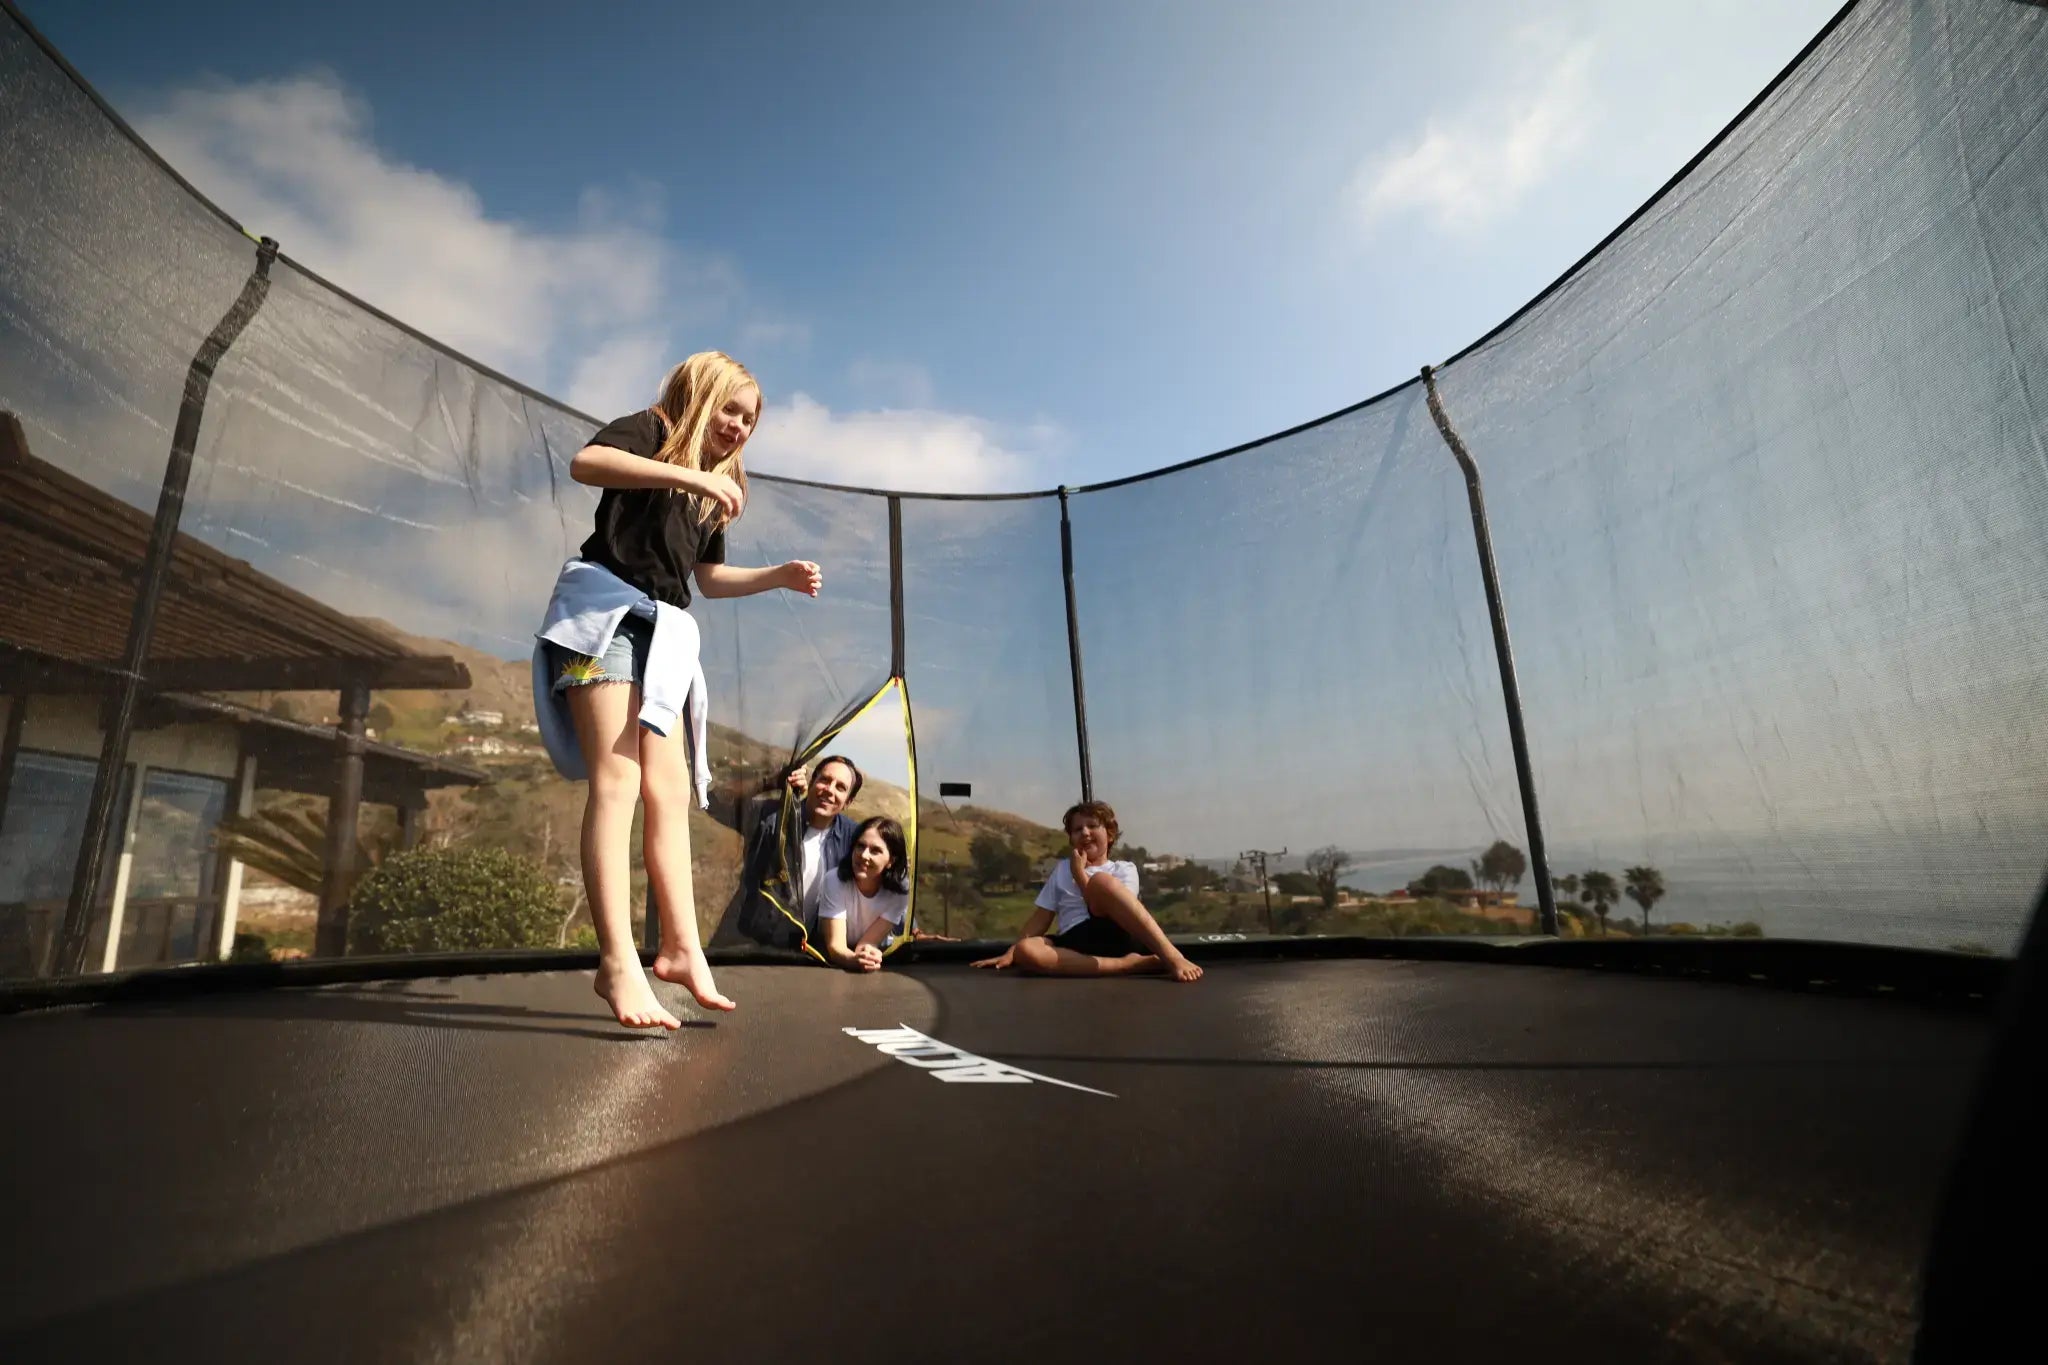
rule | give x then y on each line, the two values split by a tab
624	659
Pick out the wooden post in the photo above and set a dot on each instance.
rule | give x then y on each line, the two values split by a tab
227	880
10	745
344	807
117	901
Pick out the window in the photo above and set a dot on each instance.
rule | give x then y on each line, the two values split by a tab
46	806
171	881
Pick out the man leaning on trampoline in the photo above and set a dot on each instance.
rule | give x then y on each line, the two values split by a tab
1100	927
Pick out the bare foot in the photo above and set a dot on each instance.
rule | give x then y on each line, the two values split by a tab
1180	969
624	987
688	969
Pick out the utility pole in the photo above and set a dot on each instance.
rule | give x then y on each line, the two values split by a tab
945	897
1257	857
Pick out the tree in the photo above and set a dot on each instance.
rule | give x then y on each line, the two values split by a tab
1295	884
1598	890
380	718
1566	887
288	840
447	900
1189	876
1325	865
1645	888
1500	867
998	861
1136	854
1439	882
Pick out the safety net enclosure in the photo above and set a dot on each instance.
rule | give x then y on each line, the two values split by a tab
1764	473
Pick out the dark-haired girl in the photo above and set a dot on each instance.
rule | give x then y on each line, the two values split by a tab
863	906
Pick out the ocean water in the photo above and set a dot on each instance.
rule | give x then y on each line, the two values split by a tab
1913	893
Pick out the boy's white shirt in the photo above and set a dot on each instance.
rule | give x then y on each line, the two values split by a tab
1063	897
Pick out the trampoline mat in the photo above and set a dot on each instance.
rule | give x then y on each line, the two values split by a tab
1422	1160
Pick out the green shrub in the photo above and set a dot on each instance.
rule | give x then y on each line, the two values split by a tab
452	900
1749	928
1680	927
249	948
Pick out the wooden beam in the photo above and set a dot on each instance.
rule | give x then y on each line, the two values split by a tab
306	674
21	671
10	745
13	441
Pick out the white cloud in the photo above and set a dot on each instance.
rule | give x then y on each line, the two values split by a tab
893	383
295	159
920	448
621	375
594	312
1464	172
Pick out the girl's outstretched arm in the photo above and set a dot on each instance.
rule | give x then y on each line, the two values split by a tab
724	580
832	941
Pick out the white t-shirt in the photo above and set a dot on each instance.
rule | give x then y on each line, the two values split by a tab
812	875
1064	899
843	900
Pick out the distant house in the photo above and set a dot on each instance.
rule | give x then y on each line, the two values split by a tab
1483	899
469	716
166	894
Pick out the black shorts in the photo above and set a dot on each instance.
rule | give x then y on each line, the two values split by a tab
1097	936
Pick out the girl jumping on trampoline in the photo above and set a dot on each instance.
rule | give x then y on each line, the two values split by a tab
616	666
1100	927
863	902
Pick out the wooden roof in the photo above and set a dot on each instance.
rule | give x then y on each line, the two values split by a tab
70	559
294	756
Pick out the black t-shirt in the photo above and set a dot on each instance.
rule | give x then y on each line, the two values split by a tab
649	536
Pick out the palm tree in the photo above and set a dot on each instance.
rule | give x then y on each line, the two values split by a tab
288	840
1645	888
1566	886
1598	890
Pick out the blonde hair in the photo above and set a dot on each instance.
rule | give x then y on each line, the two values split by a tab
691	394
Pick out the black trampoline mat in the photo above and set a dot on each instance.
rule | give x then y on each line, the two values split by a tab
1439	1161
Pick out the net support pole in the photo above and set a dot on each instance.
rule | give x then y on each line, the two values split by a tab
1504	653
1074	648
68	948
895	586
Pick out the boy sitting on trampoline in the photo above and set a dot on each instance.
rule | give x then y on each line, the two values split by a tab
1100	928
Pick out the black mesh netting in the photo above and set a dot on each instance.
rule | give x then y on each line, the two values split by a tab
1767	475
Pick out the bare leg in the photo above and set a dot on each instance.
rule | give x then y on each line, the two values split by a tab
603	715
666	788
1041	957
1111	899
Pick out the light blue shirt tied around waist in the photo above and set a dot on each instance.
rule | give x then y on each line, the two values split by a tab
584	613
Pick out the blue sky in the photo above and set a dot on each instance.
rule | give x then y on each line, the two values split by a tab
965	247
